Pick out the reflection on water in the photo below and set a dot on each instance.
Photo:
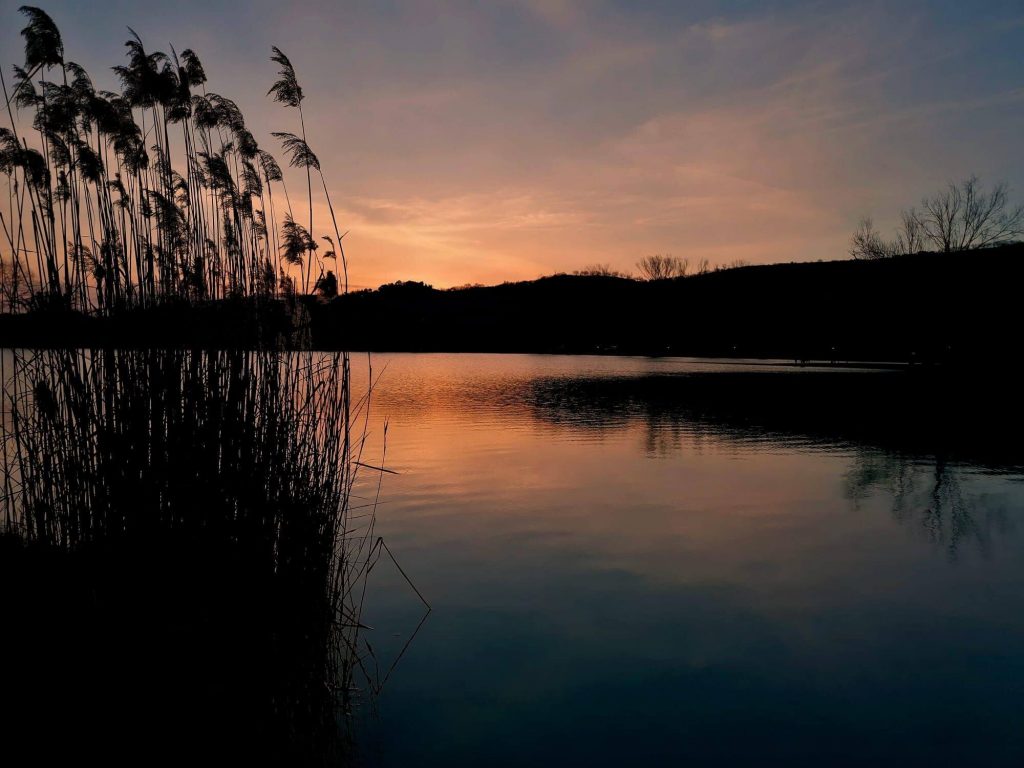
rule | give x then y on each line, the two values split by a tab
654	561
930	495
630	561
901	439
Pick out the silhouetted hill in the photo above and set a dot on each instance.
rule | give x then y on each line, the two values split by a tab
925	307
921	307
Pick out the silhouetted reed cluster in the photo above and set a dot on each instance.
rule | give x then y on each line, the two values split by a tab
184	512
157	192
215	481
115	442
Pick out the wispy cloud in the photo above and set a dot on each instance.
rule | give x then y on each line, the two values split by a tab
491	141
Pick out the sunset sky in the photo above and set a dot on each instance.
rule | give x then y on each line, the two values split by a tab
483	142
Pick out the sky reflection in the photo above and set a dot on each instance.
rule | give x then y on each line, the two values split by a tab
599	600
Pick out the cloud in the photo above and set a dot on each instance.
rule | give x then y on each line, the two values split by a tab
489	141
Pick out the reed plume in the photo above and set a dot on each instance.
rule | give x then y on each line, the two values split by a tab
156	193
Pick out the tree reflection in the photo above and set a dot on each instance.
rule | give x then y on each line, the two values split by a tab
932	494
913	438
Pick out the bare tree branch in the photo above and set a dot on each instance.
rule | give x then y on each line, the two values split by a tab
660	267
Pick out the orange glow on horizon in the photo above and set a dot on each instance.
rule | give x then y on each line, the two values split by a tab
521	140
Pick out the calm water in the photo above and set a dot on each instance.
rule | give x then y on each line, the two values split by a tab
620	578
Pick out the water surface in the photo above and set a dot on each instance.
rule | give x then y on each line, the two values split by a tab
651	561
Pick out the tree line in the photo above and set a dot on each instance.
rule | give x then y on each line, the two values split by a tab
961	217
661	267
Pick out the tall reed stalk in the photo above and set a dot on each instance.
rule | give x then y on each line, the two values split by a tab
206	471
157	192
218	478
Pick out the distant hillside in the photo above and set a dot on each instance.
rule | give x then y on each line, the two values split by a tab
924	307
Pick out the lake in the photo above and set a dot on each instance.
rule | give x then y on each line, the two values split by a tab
628	560
651	561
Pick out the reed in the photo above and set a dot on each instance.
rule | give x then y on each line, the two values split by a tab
216	480
158	192
150	493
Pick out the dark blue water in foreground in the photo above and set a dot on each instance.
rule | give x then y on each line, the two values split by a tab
623	584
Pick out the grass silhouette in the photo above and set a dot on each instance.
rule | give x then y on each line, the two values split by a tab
158	193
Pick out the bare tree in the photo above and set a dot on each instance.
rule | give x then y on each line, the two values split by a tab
867	243
910	236
959	218
703	267
660	267
964	216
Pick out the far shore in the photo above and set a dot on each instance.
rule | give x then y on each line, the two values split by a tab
923	310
